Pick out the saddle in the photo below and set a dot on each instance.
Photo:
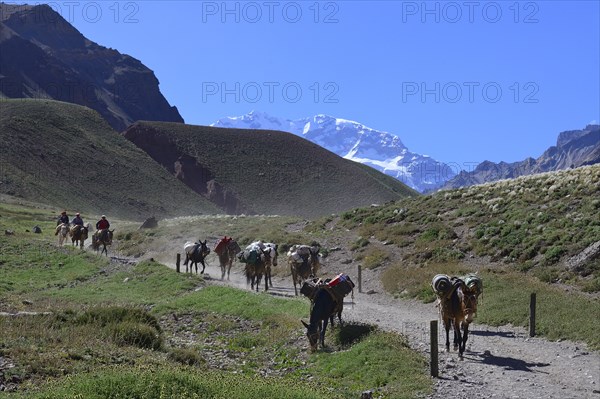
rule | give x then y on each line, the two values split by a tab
337	288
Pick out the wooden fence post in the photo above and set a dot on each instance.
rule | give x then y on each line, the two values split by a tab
434	347
359	278
177	262
532	302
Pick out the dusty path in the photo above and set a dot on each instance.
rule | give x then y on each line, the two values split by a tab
499	362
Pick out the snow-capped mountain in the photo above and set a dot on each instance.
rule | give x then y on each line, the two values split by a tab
354	141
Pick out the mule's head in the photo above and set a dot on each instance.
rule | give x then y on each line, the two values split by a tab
469	303
204	250
274	254
315	259
234	247
312	332
109	236
314	254
266	255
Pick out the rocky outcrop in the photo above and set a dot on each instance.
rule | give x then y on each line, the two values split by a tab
43	56
573	149
150	223
579	262
185	167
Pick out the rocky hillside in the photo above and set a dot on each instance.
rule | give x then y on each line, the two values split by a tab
573	149
545	224
42	56
66	155
265	172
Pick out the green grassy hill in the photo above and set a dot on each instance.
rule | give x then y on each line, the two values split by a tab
252	171
545	225
66	155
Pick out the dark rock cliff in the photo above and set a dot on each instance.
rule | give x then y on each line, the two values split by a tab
43	56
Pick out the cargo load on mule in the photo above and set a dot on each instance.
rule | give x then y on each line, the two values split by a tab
309	287
250	255
474	283
257	261
443	285
304	262
222	245
340	286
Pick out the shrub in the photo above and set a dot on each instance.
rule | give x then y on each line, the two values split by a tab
135	334
360	243
553	254
592	285
374	257
186	356
103	316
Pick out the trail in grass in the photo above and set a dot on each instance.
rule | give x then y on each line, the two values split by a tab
500	362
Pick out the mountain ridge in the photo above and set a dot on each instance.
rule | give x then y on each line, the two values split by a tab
263	171
574	148
354	141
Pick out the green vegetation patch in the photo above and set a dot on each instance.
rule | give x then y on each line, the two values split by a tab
381	362
143	284
162	382
559	315
240	303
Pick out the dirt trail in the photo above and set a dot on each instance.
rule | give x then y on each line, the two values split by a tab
499	362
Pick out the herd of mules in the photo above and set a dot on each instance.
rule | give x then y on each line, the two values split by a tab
258	259
78	234
457	297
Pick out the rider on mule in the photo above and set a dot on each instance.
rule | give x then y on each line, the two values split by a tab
63	218
77	220
102	226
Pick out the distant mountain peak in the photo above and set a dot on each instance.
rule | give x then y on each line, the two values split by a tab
573	148
354	141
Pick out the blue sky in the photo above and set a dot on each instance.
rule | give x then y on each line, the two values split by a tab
462	81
